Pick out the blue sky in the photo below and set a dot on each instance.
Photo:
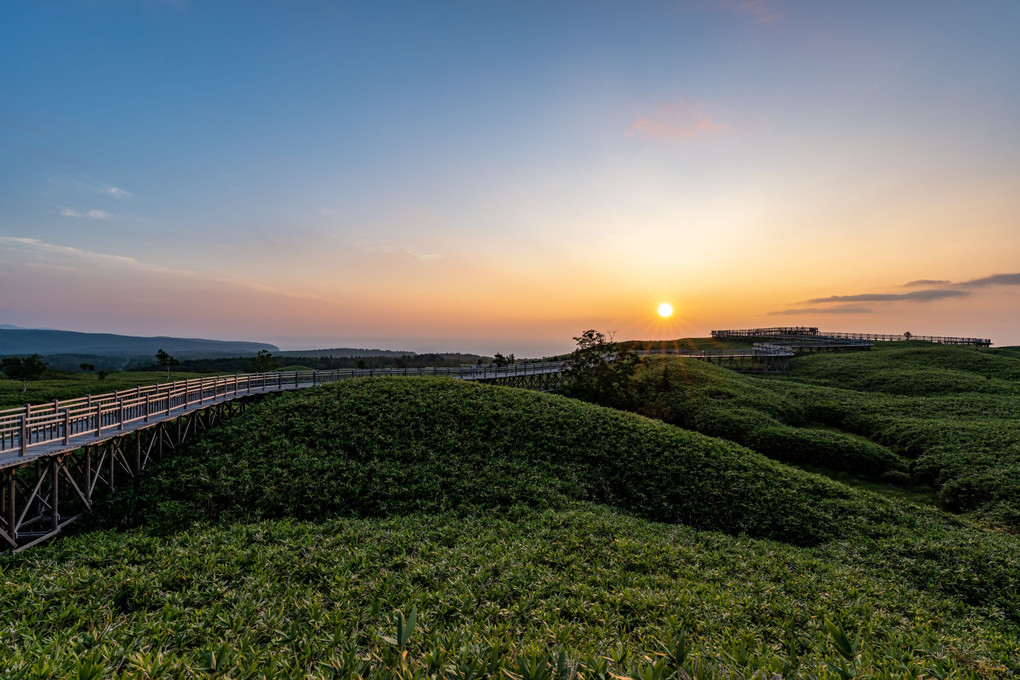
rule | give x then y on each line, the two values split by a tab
499	176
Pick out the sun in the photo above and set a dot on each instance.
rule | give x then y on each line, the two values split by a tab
665	310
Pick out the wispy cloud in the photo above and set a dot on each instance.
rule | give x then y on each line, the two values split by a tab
88	214
18	126
33	244
90	185
846	309
52	256
993	280
758	9
915	296
383	249
676	122
926	282
844	304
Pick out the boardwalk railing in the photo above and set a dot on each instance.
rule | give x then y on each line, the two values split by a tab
766	332
759	349
61	422
794	332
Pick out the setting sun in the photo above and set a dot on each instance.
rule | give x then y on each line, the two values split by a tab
665	310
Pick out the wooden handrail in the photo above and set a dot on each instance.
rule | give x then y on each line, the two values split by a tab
65	420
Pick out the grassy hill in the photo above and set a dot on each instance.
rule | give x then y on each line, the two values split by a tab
533	535
912	415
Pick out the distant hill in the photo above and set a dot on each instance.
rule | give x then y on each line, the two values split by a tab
15	341
346	352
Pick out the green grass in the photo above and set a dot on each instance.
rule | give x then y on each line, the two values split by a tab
953	411
916	415
583	588
537	536
718	402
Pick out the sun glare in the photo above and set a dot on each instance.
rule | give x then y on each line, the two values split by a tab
665	310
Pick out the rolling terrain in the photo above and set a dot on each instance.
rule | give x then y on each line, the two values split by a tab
425	527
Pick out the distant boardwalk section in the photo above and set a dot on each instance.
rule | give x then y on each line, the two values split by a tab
800	332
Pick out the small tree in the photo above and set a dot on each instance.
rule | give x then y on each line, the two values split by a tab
102	374
501	360
87	368
908	335
24	369
599	369
166	361
263	362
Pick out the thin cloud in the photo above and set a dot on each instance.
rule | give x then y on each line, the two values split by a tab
18	126
80	254
93	186
927	282
848	309
88	215
382	249
758	9
93	259
993	280
915	296
676	122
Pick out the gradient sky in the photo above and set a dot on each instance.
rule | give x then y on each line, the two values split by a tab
497	175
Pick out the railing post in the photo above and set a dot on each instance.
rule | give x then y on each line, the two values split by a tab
169	398
24	432
148	404
99	420
201	391
120	412
67	427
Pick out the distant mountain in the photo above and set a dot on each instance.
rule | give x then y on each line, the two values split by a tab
47	342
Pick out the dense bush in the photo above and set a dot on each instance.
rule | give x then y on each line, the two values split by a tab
721	403
393	446
580	592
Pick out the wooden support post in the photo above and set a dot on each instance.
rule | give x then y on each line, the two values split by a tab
148	404
88	475
120	412
67	427
11	510
55	486
99	420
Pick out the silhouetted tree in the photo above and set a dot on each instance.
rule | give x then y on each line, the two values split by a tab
23	369
501	360
102	374
87	368
166	361
599	369
263	362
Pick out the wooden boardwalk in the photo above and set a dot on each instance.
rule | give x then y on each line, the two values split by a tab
55	457
812	332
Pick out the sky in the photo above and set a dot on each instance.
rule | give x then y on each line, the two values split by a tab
501	175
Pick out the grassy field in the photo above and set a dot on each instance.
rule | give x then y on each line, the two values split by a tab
912	416
430	528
